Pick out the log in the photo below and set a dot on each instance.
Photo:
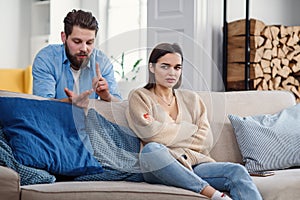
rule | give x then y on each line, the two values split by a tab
283	31
285	49
266	68
277	81
239	41
239	85
287	87
264	85
267	54
284	71
271	85
256	82
297	58
290	55
290	81
274	32
275	62
238	54
285	61
236	72
274	71
267	77
274	51
296	29
280	53
268	44
296	67
238	27
265	64
296	92
267	33
283	40
292	40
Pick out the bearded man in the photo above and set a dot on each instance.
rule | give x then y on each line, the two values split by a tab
75	71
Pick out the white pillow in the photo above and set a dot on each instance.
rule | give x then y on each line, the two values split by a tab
269	142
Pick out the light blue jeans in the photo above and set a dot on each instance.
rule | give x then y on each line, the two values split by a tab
160	167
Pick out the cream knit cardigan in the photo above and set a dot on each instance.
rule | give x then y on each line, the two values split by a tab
188	135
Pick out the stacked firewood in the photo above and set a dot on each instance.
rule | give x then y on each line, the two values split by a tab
274	57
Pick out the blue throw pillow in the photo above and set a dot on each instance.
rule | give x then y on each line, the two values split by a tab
47	135
269	142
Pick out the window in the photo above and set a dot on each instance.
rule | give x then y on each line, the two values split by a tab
124	31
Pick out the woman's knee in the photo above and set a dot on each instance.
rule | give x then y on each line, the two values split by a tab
151	151
155	156
153	147
238	170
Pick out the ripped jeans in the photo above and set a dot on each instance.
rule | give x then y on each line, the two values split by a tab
160	167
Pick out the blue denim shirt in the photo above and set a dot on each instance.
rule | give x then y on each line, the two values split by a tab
52	73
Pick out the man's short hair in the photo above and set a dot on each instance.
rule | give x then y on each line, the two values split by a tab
80	18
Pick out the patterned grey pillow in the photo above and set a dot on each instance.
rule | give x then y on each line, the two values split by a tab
115	147
269	142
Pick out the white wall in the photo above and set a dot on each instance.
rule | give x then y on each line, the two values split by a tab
9	34
214	38
283	12
271	12
94	7
58	11
15	27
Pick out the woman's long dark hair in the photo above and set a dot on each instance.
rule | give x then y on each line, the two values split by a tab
159	51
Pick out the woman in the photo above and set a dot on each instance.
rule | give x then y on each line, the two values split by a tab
176	135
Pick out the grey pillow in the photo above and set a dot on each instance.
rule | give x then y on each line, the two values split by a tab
271	141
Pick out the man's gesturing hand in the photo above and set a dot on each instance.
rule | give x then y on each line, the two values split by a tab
100	85
81	100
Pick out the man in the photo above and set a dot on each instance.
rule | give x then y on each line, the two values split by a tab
75	71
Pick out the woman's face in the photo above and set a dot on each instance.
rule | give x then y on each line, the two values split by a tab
167	70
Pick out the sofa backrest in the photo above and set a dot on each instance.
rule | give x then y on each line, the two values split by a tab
219	105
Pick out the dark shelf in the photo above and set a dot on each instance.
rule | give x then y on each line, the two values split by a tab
247	46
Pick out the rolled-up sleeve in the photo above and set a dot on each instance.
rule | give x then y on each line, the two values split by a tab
43	79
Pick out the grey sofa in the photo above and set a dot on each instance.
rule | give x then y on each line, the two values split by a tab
285	184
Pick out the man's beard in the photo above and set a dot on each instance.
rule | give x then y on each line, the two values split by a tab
75	63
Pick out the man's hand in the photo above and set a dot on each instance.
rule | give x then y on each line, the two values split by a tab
100	85
81	100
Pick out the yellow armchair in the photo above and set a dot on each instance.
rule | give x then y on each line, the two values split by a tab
16	80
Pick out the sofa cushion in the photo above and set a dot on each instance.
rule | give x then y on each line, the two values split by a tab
271	141
44	134
106	190
282	186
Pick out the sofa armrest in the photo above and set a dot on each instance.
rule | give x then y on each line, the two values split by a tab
9	184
